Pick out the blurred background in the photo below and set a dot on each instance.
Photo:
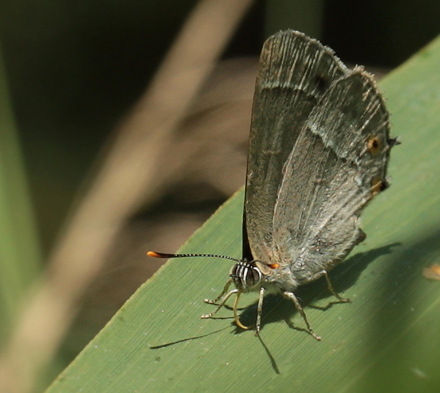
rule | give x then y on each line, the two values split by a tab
75	80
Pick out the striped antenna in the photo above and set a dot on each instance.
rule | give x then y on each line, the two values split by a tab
164	255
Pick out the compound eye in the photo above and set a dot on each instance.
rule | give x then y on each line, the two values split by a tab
245	274
253	276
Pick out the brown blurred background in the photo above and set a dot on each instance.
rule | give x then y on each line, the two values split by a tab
76	71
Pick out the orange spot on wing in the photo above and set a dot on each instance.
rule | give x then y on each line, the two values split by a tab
374	145
376	186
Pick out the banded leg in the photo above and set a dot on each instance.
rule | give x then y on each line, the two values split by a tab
221	304
329	285
222	293
236	317
291	296
259	311
332	290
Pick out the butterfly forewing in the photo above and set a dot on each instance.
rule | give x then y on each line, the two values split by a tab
295	72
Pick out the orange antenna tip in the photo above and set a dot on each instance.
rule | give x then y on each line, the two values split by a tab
154	254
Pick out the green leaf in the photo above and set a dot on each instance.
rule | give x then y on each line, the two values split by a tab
386	340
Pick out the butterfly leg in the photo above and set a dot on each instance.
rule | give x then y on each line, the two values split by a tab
235	307
222	293
259	311
222	303
294	299
332	290
329	285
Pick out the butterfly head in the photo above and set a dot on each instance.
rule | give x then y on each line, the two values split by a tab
249	274
246	275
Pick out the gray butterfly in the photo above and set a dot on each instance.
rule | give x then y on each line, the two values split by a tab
319	151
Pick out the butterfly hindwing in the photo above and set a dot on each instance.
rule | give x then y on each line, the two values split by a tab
336	166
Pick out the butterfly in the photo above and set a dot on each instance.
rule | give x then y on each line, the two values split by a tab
318	153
